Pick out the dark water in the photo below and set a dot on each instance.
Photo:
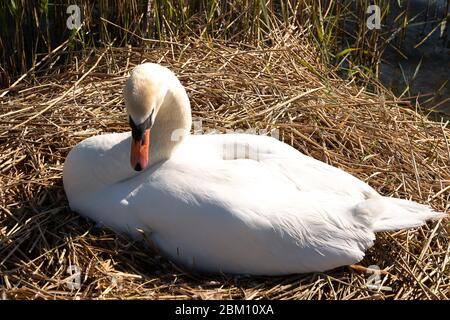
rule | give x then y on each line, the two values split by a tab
433	55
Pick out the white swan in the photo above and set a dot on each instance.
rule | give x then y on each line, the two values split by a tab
269	210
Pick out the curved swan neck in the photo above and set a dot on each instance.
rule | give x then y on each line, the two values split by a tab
172	123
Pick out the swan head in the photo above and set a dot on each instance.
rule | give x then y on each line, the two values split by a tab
144	93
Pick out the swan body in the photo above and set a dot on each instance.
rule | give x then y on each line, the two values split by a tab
264	210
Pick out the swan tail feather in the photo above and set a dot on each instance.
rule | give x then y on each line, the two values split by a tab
386	214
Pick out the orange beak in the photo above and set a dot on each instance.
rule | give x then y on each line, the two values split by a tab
139	152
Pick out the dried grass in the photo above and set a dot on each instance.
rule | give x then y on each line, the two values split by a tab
391	147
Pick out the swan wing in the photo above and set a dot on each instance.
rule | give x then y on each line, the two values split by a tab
238	215
307	173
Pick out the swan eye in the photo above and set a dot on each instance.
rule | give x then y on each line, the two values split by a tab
137	131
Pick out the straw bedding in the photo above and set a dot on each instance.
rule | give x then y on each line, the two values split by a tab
281	89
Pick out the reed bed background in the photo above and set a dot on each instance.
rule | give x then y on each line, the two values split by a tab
30	30
283	87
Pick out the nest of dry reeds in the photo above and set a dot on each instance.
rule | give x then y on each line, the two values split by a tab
284	87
